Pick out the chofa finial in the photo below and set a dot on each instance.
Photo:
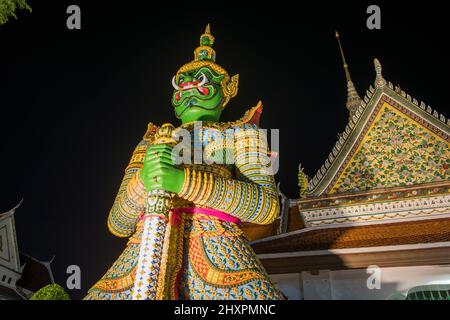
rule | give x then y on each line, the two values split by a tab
379	81
303	181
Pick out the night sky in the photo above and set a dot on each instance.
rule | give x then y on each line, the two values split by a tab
73	104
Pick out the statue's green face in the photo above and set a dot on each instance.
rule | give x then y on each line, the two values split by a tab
198	95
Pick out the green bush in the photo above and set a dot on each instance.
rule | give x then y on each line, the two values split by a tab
9	7
51	292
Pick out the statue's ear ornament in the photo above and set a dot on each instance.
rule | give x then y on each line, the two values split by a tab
230	88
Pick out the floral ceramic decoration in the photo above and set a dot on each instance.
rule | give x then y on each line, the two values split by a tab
396	151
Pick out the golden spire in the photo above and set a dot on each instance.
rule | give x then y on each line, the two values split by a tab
207	39
347	73
353	99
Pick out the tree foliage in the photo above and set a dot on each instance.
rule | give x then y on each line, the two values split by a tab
9	7
51	292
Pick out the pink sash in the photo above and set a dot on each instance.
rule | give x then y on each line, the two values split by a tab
206	211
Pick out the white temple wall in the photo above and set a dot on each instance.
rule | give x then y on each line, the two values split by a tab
353	284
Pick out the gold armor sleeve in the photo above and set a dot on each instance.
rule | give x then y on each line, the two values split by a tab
253	196
130	199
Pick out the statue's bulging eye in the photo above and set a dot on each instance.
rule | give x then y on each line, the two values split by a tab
202	78
181	80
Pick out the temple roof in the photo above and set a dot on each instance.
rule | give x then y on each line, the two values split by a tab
384	244
35	275
357	236
391	140
11	294
9	251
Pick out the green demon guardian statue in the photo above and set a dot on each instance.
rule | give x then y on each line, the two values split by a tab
182	219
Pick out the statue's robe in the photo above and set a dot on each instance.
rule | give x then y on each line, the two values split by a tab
214	258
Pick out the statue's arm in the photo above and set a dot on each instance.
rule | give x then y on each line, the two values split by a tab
130	200
252	199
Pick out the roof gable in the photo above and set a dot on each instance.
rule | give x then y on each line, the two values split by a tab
395	151
9	253
392	140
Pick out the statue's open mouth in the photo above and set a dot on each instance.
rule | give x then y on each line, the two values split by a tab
202	90
198	85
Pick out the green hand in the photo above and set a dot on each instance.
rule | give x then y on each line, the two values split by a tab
159	171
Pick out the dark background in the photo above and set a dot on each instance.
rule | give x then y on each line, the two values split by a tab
73	104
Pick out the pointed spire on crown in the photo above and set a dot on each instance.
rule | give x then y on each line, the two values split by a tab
205	50
207	39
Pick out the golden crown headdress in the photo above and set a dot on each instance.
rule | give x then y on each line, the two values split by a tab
205	56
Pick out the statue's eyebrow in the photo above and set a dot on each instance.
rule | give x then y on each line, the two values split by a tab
204	70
